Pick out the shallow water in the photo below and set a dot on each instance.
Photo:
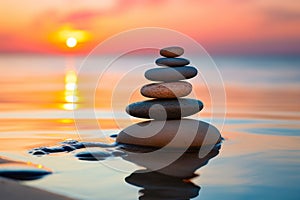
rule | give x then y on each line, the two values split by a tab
259	158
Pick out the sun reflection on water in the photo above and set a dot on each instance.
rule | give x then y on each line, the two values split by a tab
70	93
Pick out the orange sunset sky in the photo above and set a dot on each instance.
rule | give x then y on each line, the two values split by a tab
222	27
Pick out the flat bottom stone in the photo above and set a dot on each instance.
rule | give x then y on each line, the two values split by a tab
183	133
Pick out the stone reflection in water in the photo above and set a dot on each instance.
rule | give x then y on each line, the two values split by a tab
160	186
169	180
173	181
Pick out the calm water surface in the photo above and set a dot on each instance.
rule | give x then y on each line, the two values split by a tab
259	158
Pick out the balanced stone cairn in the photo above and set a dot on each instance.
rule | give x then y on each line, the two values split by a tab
167	104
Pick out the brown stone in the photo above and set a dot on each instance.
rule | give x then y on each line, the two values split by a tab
167	90
183	133
171	52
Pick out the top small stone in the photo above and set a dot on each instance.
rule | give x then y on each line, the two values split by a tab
171	52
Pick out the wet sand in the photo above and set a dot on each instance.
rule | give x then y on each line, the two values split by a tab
13	190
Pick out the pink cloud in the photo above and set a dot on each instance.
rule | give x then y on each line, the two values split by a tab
81	15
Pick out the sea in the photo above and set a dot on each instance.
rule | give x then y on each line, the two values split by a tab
254	102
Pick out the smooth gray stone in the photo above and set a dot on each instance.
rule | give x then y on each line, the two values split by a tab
22	170
161	109
167	90
171	74
171	52
92	156
24	173
172	62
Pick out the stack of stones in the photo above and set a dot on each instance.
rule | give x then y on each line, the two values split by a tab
168	90
167	108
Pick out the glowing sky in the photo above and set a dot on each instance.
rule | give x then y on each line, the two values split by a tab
222	27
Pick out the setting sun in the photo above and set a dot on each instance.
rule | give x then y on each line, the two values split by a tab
71	42
67	37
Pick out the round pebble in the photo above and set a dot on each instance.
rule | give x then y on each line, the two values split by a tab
24	174
22	170
172	62
93	156
171	52
161	109
38	153
113	135
68	148
174	133
171	74
167	90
